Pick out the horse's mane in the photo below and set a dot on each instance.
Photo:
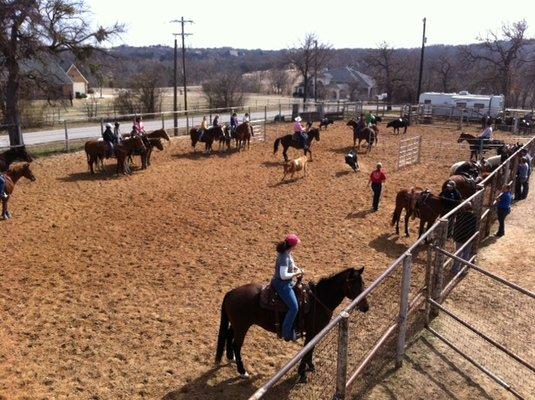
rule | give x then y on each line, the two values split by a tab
330	278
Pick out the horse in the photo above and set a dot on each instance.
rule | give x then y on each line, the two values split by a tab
145	155
399	123
428	208
507	150
472	169
96	151
405	200
226	138
125	149
465	185
367	133
287	141
11	177
157	134
15	153
210	134
241	309
477	145
243	134
325	122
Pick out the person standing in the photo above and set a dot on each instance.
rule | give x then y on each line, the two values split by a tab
465	227
522	179
377	178
215	122
504	208
284	281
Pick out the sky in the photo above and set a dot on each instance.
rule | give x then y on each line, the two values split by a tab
278	24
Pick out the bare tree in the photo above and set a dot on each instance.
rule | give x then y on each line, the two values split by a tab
445	70
39	30
148	91
224	90
500	55
280	81
309	58
388	68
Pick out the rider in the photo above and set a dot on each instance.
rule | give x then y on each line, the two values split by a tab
203	127
283	282
234	122
116	130
110	138
487	133
139	128
361	124
246	118
450	197
215	122
370	119
300	132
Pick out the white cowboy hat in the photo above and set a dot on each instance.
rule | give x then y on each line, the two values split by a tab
298	119
108	125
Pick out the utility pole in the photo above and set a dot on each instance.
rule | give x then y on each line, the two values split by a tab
175	103
424	39
183	34
315	70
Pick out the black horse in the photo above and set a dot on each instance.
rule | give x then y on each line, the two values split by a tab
15	153
210	135
241	309
325	122
398	123
288	141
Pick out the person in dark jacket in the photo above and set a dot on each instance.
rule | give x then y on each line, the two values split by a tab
450	197
522	179
110	138
504	208
233	123
464	228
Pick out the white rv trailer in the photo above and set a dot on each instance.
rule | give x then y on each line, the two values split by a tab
451	104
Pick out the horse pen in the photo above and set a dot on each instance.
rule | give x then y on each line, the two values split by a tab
114	284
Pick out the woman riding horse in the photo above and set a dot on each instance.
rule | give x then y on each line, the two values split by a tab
287	141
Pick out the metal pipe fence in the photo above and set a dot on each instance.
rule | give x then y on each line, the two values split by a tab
403	300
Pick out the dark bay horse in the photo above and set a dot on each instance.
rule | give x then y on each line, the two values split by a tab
398	123
325	122
243	134
15	153
428	208
11	177
145	155
208	138
369	134
241	309
405	200
157	134
125	149
477	145
465	185
287	141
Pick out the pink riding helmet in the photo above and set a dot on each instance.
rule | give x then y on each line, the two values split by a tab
292	239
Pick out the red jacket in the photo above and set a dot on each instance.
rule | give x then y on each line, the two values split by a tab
377	177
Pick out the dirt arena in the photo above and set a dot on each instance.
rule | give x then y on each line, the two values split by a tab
111	286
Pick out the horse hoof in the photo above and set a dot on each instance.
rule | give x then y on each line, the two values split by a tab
302	379
244	375
311	368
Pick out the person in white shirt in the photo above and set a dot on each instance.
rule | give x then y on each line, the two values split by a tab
487	133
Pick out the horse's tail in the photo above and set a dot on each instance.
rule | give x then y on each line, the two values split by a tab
276	145
223	332
397	211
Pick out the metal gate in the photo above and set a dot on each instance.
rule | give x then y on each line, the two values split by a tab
409	151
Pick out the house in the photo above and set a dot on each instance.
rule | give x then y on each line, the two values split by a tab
79	84
340	84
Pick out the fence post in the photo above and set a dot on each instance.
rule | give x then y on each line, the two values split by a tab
429	279
187	123
66	136
438	275
265	123
163	122
101	126
341	360
403	308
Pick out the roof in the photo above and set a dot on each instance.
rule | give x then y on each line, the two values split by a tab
46	69
350	75
75	68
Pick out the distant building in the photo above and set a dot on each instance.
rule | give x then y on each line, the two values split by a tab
78	84
451	104
339	84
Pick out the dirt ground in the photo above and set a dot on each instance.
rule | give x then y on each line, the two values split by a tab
111	286
432	370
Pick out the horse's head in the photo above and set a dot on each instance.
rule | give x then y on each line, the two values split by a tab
352	123
355	286
462	137
157	143
315	133
24	170
390	124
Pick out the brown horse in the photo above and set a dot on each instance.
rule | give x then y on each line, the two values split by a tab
405	200
288	141
208	138
125	149
157	134
145	155
244	131
428	208
96	151
241	309
11	177
369	134
15	153
477	145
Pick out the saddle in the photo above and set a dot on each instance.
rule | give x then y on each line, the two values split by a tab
270	300
421	201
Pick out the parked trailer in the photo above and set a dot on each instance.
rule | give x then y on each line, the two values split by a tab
473	106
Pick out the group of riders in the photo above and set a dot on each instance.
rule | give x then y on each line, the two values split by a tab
234	122
112	136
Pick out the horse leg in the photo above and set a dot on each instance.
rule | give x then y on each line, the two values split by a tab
407	215
230	344
239	336
421	229
306	363
5	213
284	153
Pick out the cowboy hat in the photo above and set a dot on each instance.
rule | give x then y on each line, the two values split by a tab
298	119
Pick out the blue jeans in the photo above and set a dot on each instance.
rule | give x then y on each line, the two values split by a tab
502	213
2	184
287	294
465	254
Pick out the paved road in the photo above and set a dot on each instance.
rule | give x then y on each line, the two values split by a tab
90	131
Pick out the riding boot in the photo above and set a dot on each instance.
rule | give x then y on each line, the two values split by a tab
3	195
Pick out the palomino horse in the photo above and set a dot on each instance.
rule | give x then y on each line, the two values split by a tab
405	200
368	134
208	138
11	177
15	153
287	141
241	309
477	145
